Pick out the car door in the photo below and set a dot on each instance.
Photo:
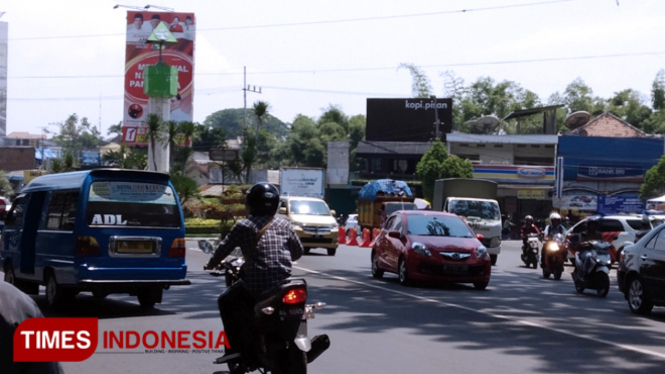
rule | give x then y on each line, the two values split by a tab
652	265
612	228
395	246
382	244
11	236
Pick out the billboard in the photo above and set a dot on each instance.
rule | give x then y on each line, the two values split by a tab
408	119
4	34
139	54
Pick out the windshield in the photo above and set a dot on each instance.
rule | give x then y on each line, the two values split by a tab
132	204
424	225
314	208
475	208
393	207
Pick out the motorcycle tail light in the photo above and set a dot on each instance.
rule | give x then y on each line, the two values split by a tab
295	296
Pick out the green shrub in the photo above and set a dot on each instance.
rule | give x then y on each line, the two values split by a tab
207	226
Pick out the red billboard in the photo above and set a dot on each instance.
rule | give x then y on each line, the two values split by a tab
139	54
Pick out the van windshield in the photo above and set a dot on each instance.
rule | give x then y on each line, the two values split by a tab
315	208
475	208
134	204
393	207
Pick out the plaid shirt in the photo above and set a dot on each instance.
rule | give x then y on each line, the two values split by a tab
269	263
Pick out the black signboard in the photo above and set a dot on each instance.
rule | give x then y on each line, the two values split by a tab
408	119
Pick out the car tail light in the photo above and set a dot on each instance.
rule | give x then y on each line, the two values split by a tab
87	246
178	248
295	296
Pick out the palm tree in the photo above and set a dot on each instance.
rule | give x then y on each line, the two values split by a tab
188	131
69	162
155	130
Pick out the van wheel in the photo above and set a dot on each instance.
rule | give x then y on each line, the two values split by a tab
55	294
332	251
493	258
149	297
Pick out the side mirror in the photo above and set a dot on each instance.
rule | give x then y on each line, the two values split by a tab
333	213
205	246
480	236
395	234
282	210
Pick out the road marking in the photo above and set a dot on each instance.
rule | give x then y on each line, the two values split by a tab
498	316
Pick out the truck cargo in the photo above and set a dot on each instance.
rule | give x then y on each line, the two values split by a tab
378	199
305	182
475	201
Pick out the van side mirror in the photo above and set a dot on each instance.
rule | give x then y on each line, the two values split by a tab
282	210
333	212
395	234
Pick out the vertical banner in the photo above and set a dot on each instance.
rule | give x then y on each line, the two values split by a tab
559	177
139	54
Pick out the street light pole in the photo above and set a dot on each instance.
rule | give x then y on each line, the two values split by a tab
436	116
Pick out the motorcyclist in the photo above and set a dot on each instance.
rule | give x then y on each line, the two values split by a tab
267	263
584	249
528	228
555	226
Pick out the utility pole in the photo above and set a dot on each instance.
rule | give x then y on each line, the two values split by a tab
245	88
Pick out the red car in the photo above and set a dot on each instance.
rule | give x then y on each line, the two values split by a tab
430	246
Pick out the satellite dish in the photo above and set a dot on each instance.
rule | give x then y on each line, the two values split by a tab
485	124
577	119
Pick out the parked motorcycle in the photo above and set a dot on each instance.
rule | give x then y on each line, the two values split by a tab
281	344
597	278
530	251
553	256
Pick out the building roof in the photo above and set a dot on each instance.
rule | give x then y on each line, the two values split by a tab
396	148
25	135
530	112
502	139
610	126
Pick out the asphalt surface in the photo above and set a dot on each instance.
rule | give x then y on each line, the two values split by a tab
522	323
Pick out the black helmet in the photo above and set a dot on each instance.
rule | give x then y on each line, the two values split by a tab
263	199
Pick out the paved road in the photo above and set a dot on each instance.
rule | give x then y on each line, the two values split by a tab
521	323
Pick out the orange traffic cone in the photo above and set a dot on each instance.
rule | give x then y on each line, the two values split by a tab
353	240
375	234
366	238
341	235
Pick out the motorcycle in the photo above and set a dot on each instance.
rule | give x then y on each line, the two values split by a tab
230	267
280	344
553	256
597	278
530	251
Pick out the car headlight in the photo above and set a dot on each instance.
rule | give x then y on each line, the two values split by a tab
495	242
334	226
481	252
297	225
552	246
421	249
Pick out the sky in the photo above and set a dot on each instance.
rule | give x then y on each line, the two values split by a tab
68	56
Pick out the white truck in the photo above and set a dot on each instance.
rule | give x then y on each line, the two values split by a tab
306	182
475	201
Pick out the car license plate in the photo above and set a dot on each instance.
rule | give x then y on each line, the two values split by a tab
141	247
456	269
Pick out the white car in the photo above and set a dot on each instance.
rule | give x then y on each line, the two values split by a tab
623	227
352	223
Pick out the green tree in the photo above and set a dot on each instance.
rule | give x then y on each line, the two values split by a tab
185	187
420	86
115	130
658	91
206	137
436	164
231	121
654	181
76	135
630	105
6	189
155	133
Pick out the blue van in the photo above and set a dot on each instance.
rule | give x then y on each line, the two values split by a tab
101	231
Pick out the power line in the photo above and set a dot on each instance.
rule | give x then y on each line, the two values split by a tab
292	24
342	70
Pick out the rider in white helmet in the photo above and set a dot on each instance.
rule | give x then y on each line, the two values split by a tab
555	226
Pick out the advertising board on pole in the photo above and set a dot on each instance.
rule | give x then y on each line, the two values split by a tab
139	54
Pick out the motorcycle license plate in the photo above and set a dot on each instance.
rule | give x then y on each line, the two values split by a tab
456	269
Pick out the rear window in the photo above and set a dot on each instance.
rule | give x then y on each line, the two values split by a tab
636	224
426	225
132	204
611	225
